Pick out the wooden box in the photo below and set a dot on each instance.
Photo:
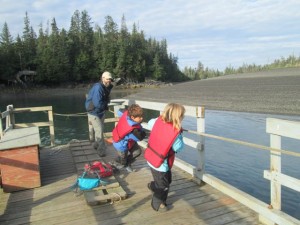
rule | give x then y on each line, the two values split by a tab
19	159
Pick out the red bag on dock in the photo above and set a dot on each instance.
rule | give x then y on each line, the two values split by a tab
102	169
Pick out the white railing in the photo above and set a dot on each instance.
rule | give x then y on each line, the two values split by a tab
278	128
269	214
9	116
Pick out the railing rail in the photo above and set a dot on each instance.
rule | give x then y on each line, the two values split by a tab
9	116
268	214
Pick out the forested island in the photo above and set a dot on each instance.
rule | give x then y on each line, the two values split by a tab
79	55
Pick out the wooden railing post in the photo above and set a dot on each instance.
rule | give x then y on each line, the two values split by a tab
200	117
91	129
10	119
1	126
275	166
116	109
51	126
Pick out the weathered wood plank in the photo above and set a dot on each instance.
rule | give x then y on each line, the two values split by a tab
111	194
55	202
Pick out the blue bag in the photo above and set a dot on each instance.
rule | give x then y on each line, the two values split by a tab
87	183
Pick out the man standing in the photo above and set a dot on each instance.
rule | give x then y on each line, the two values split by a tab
96	104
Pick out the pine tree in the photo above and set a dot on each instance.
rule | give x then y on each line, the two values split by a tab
8	57
29	45
110	47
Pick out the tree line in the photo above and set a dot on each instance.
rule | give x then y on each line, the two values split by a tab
82	53
201	72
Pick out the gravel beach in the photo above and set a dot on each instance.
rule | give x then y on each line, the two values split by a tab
273	92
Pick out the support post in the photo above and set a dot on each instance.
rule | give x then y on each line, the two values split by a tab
1	126
91	129
116	109
10	120
275	166
200	117
51	126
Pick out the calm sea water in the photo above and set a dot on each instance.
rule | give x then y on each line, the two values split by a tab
237	165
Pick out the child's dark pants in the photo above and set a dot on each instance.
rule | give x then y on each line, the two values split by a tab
160	187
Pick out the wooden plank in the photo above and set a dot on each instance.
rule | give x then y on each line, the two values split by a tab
158	106
36	124
103	196
55	203
283	179
33	109
111	182
283	128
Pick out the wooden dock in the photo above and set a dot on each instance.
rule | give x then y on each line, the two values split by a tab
55	203
126	199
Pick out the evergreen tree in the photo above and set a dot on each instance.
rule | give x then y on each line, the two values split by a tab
42	56
98	52
84	61
138	52
74	44
110	47
8	56
158	71
124	58
29	45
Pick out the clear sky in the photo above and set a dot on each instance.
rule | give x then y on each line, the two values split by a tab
218	33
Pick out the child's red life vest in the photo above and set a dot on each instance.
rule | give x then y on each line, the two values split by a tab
103	169
123	128
160	143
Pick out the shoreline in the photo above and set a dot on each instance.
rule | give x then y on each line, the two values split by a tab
270	92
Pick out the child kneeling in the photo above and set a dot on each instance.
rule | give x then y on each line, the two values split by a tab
126	135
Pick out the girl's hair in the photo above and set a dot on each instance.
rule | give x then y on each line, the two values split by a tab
173	113
135	110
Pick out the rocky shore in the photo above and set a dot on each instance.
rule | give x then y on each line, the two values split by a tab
273	92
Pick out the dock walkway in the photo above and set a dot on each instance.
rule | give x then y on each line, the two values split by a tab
56	203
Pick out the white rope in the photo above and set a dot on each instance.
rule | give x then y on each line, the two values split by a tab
116	201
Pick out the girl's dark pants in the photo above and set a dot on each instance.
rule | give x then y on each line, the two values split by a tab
160	187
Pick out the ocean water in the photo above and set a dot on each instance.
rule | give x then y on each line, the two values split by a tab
237	165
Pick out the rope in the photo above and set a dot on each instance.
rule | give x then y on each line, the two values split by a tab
116	201
261	147
71	115
75	114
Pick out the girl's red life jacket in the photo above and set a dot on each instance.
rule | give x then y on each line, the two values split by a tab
160	143
123	128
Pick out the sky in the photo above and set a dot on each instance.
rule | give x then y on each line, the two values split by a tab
217	33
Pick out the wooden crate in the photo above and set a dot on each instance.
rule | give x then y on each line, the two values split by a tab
20	169
19	159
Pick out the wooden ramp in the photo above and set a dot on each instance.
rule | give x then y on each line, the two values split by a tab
56	203
110	191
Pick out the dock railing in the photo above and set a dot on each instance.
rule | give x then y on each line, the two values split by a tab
268	213
10	123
